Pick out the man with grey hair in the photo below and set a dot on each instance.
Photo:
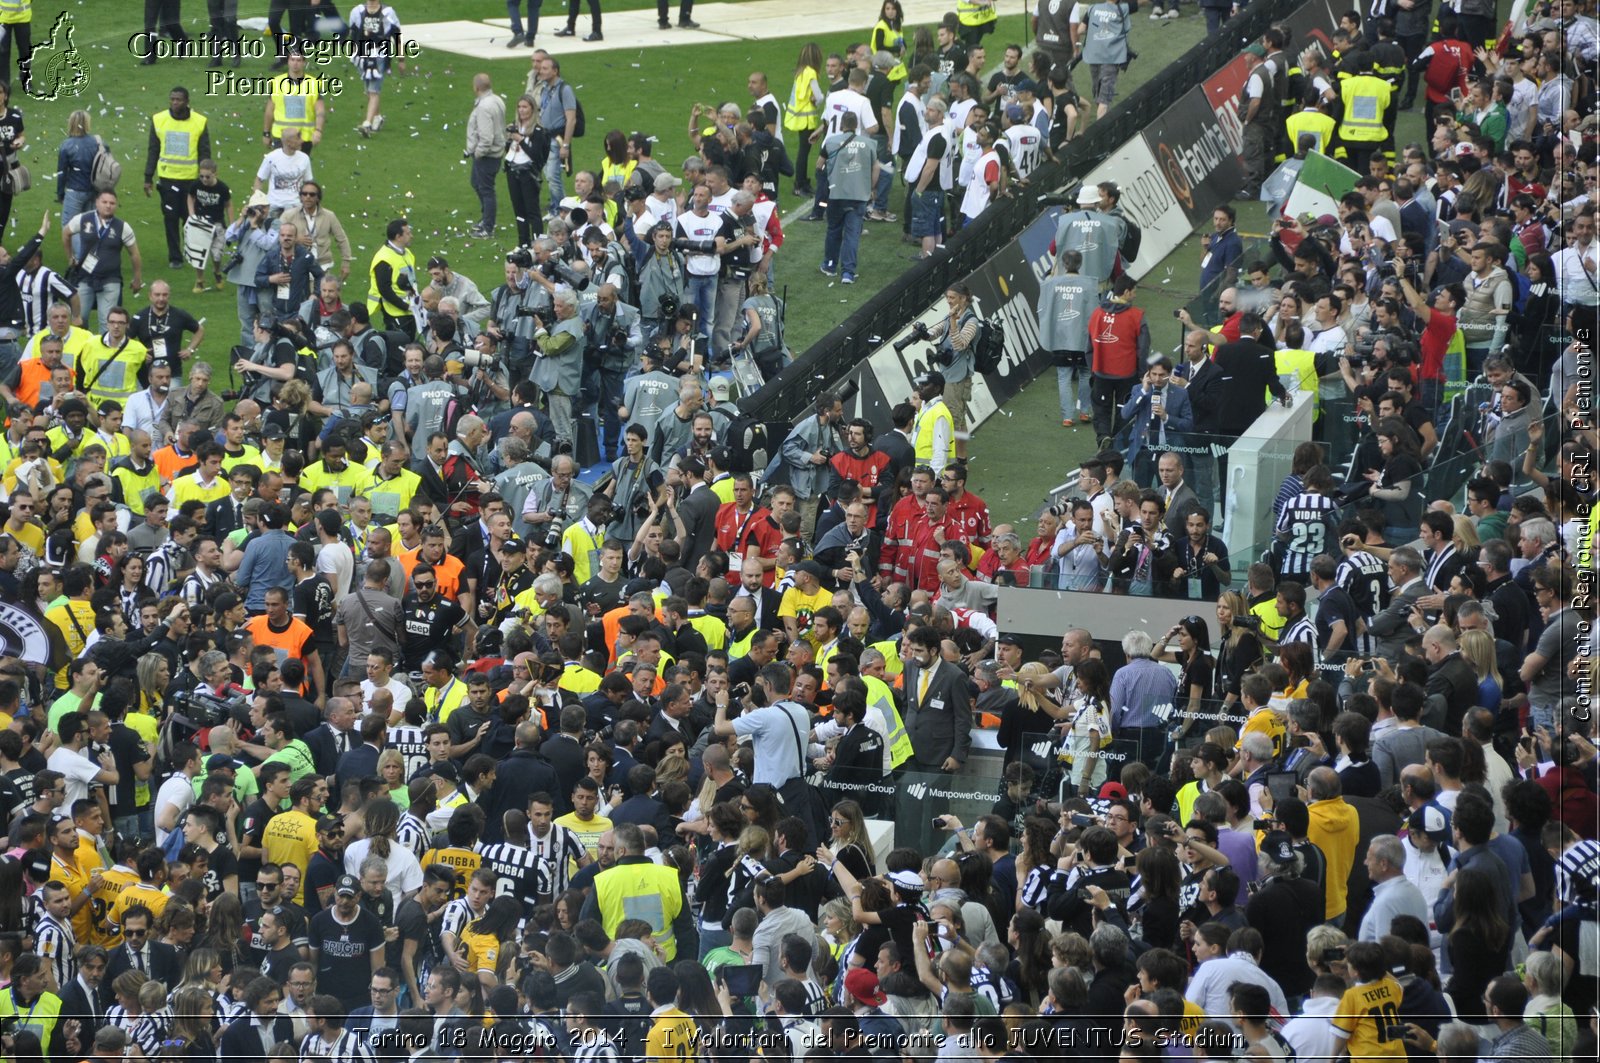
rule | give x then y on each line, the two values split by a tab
196	403
463	483
558	369
1143	693
1334	829
1398	620
744	250
1255	761
518	479
1392	893
553	504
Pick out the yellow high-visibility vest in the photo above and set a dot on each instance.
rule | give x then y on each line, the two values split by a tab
804	111
974	13
180	145
642	890
294	106
584	549
879	694
740	647
11	13
1365	98
399	262
714	631
1302	365
885	38
932	413
1316	123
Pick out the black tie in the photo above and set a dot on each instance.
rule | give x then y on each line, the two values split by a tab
138	960
238	514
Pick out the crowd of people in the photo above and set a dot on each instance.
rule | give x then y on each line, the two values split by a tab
365	729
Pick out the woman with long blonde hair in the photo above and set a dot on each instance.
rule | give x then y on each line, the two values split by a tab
1465	536
848	826
1237	651
1477	649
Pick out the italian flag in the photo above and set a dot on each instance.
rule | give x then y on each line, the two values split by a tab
1319	186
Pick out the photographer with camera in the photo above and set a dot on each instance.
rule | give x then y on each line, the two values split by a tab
695	234
515	309
743	248
558	365
273	358
636	483
614	340
663	277
555	503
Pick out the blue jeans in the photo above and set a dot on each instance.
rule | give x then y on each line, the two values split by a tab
1072	399
103	296
703	294
74	204
555	178
1215	17
245	303
880	191
513	8
845	217
713	939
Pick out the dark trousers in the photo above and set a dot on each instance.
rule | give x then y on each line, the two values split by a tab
685	9
1412	46
299	12
174	209
602	388
164	15
522	182
594	14
1478	30
22	34
1144	744
224	18
514	9
802	175
1107	395
484	168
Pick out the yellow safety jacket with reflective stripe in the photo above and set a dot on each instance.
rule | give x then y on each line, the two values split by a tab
890	648
12	12
442	701
1302	365
40	1018
885	38
933	412
879	694
804	112
294	106
1365	98
1314	122
180	145
398	262
639	889
974	13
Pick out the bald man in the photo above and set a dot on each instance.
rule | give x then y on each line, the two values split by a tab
486	147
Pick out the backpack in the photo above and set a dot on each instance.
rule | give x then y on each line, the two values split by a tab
990	350
105	171
455	407
578	123
394	352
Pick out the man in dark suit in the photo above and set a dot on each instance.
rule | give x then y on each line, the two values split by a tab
938	713
1177	495
362	760
1452	683
523	773
672	722
1248	370
226	514
158	961
752	585
334	737
602	706
1391	627
85	995
626	742
251	1040
697	511
1442	560
897	441
564	751
641	808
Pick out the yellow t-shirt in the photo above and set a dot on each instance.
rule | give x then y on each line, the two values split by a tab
30	535
1366	1012
188	487
290	838
144	725
75	877
137	894
483	951
588	831
113	882
802	606
672	1036
1267	721
464	861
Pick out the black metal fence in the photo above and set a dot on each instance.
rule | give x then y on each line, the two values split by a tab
786	396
